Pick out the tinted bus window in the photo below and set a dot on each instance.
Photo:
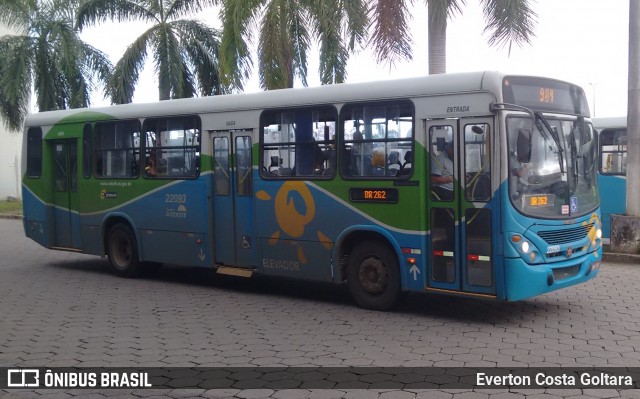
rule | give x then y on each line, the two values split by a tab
34	152
613	152
172	147
299	142
117	149
377	140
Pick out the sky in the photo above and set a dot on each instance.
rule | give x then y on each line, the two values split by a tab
581	41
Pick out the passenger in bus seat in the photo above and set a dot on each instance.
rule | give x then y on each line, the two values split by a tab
442	173
151	169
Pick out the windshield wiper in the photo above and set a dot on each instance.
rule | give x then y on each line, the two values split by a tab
554	135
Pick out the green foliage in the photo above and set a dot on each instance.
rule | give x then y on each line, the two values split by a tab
10	207
185	52
287	29
507	22
48	55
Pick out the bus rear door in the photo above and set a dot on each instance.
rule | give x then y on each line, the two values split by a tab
233	199
461	217
66	219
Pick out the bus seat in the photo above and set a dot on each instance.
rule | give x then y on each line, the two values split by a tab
394	161
285	172
408	160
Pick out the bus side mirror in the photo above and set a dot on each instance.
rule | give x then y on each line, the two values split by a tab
524	145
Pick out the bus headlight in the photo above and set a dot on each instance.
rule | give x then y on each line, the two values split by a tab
525	247
599	233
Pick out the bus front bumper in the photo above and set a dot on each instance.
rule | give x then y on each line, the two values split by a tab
525	281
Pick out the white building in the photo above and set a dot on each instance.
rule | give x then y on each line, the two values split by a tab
10	155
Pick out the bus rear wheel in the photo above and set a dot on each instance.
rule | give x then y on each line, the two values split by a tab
373	277
122	251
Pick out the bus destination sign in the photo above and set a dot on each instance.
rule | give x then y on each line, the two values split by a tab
544	95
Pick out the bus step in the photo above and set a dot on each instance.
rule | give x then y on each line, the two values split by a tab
67	249
234	271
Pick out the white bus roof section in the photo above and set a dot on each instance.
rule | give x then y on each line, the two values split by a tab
327	94
613	122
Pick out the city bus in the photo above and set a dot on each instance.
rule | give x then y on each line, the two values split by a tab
612	169
332	184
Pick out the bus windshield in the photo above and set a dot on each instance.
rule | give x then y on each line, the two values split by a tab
556	179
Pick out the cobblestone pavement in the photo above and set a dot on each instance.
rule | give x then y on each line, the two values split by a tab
66	309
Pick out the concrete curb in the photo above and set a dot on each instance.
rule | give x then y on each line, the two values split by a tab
617	257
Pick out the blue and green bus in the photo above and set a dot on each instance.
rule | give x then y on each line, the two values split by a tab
612	169
332	184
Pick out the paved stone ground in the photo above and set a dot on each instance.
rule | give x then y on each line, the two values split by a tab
65	309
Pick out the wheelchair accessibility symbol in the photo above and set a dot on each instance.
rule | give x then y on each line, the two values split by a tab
573	201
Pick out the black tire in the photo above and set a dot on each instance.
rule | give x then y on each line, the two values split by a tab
122	250
373	276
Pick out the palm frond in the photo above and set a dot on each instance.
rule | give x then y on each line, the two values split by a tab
509	21
391	36
96	11
238	18
275	52
168	63
180	8
17	13
15	79
201	45
127	70
355	12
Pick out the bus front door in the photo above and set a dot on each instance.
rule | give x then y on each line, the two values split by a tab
66	219
460	210
233	218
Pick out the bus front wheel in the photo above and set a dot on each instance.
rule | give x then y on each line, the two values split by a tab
122	251
373	277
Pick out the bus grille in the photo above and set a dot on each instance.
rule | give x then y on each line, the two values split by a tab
555	237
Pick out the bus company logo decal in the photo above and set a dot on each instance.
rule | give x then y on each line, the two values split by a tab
594	220
291	222
104	194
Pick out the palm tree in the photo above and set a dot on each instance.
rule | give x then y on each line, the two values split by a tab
507	21
185	51
286	31
47	56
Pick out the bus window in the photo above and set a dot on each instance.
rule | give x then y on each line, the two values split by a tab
477	162
34	152
377	140
298	143
442	162
221	165
613	152
243	165
86	151
172	147
116	154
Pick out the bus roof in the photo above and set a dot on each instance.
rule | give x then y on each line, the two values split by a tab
613	122
336	93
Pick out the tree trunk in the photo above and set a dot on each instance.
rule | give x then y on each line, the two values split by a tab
633	116
437	41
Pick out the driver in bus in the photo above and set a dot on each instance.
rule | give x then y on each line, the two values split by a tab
518	171
442	173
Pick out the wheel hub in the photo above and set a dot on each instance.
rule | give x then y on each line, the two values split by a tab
373	275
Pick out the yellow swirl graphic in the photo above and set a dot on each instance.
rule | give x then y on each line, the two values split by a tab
289	219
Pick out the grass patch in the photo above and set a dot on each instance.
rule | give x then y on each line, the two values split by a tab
10	207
